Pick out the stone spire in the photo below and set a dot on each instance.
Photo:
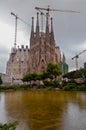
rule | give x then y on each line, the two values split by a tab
52	33
47	27
51	24
37	27
63	58
32	32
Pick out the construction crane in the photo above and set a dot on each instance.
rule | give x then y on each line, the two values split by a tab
16	20
76	58
48	9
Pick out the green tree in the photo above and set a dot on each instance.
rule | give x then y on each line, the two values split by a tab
53	70
0	80
83	72
76	74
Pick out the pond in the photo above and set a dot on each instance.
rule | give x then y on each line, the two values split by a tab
44	110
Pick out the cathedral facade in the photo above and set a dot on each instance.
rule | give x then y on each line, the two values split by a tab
42	46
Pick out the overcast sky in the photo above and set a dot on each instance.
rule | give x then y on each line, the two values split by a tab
69	28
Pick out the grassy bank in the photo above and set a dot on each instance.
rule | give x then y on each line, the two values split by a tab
67	86
13	87
45	85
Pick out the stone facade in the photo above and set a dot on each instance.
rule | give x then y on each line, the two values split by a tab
42	47
17	65
6	79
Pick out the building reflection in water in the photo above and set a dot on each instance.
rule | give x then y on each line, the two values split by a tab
41	110
3	114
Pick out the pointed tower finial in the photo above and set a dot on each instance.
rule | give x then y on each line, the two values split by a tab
37	27
51	24
52	33
32	32
37	19
42	22
47	22
47	27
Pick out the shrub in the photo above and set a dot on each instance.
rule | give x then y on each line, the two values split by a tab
56	84
9	126
70	86
81	87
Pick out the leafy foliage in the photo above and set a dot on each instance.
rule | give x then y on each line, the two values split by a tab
53	70
74	86
76	74
9	126
77	80
0	80
53	84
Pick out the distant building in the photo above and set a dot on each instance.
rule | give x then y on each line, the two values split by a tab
64	65
57	55
17	65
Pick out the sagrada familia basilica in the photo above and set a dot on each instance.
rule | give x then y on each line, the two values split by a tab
42	50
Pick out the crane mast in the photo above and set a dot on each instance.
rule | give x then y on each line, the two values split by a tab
15	38
16	23
76	58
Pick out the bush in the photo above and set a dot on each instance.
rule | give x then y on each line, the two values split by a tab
70	86
56	84
74	86
46	83
81	87
9	126
52	84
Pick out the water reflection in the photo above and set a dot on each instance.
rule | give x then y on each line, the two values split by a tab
3	117
75	118
45	110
